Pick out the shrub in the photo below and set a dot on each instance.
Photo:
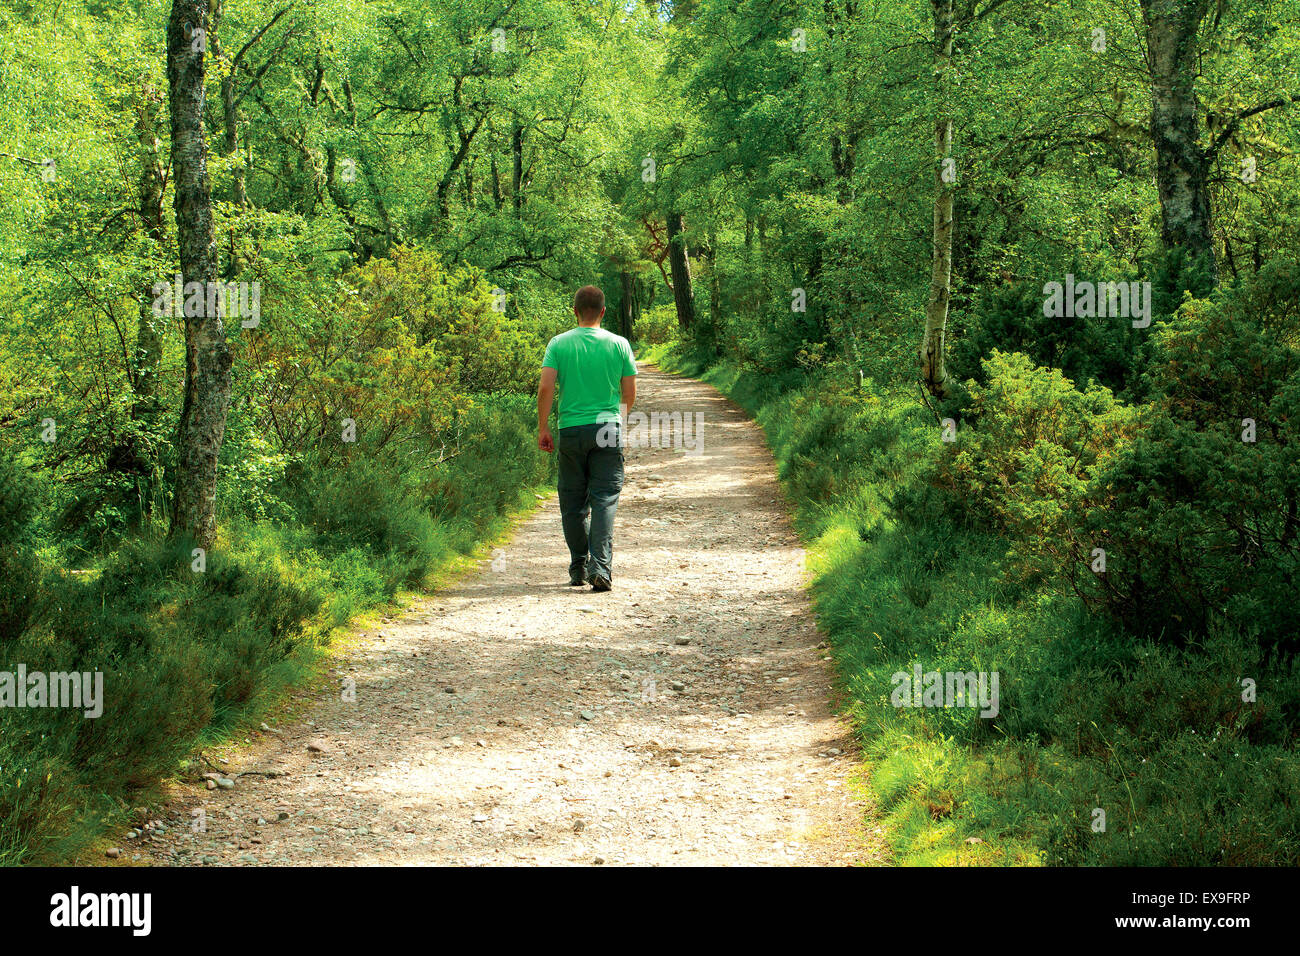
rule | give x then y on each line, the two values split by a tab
961	570
359	504
1023	459
1209	523
1009	318
656	325
19	567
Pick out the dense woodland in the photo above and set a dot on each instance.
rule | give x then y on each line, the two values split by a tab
1013	287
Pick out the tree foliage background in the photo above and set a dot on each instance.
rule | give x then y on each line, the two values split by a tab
795	195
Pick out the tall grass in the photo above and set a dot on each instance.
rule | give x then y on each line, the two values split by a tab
192	657
1091	717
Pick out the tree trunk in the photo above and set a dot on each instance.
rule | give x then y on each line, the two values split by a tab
842	149
230	146
498	200
715	296
230	103
207	356
934	373
148	342
637	289
517	179
680	269
627	305
462	151
842	162
368	171
1182	165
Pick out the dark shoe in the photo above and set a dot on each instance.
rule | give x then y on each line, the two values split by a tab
575	581
599	582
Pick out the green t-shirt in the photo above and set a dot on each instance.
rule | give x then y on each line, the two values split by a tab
590	364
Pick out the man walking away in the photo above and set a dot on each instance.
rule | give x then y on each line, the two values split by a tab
594	370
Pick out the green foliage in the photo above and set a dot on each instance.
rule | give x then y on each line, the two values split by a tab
1205	524
361	506
418	212
949	556
17	504
19	567
1022	460
1010	319
483	480
657	326
186	655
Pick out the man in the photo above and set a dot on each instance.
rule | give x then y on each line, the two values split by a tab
594	370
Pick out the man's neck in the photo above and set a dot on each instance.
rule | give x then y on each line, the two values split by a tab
589	325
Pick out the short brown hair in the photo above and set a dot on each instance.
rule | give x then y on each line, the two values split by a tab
589	301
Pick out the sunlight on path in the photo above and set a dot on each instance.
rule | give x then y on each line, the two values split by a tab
681	718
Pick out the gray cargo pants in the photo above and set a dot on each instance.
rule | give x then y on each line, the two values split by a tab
591	477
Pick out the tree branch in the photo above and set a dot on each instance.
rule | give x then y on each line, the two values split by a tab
1235	122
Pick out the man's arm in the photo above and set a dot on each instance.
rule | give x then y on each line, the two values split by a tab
627	392
627	386
545	396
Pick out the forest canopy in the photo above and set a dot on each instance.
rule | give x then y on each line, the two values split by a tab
1012	286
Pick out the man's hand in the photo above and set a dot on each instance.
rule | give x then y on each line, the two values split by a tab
545	395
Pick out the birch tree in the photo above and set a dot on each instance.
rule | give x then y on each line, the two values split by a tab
207	354
1182	164
933	371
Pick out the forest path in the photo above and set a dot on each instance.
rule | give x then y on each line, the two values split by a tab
681	718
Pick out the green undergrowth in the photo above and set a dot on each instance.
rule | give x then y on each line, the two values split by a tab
195	655
1091	718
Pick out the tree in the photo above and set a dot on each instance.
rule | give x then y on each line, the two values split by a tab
134	454
680	267
933	371
1182	164
207	354
949	19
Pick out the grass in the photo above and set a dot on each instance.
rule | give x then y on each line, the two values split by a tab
195	661
1091	719
289	691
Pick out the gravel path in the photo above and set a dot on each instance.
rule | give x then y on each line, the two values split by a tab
681	718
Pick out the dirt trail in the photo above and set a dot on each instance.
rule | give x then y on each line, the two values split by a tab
681	718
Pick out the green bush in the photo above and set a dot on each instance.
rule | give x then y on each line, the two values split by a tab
1204	524
1009	318
1024	454
358	504
657	325
951	556
495	457
188	655
19	567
